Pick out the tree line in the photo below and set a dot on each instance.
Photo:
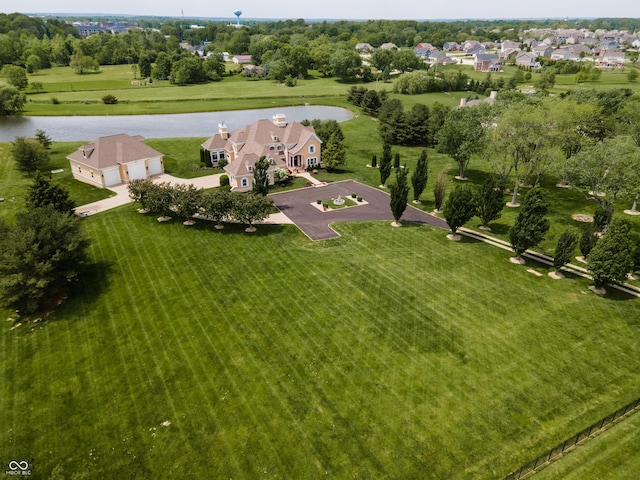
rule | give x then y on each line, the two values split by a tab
187	202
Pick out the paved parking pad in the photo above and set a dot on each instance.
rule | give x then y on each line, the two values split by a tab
297	205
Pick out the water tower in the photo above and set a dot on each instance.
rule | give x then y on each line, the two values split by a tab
237	13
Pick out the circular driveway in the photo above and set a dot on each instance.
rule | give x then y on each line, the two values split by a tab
297	205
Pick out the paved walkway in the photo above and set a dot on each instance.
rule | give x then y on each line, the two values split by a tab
298	205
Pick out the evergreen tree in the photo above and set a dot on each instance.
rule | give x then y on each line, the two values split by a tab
636	257
333	153
43	193
260	178
588	239
531	224
420	176
459	208
44	139
612	257
564	249
40	256
371	102
396	160
385	163
440	188
489	200
399	194
374	160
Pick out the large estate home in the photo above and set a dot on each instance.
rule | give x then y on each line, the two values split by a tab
286	145
115	159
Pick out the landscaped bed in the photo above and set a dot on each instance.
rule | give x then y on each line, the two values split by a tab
338	203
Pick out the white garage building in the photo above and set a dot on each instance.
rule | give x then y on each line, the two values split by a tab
115	159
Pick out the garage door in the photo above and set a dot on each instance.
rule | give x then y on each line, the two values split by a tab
155	167
112	177
137	171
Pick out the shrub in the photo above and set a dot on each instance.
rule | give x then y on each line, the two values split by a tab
224	180
109	99
353	195
359	199
55	101
318	201
223	162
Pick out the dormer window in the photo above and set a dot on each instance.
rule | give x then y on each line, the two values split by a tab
250	168
271	147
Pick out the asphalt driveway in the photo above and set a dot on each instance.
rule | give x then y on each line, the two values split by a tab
297	205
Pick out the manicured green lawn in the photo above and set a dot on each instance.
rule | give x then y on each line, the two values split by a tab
14	184
612	454
384	353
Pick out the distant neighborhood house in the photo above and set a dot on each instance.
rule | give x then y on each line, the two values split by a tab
115	159
611	59
241	59
487	62
288	145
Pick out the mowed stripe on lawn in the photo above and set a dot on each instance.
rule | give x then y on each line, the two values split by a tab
385	352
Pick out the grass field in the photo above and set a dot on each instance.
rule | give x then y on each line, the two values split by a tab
386	353
82	94
612	454
376	355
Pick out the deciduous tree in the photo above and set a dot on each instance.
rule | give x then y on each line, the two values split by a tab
16	76
250	208
463	135
186	201
29	154
217	205
12	100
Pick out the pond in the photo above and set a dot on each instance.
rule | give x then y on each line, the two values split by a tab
64	129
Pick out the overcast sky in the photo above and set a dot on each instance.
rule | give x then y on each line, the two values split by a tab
339	9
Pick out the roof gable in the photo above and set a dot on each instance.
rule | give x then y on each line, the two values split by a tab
113	150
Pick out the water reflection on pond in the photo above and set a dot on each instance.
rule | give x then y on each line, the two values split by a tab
64	129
